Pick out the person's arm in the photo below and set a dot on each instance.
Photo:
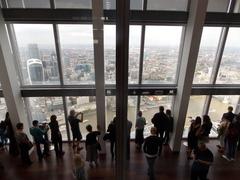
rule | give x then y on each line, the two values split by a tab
209	163
77	114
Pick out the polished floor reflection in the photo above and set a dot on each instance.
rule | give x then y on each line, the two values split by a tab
168	167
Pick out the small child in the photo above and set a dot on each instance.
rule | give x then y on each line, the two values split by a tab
78	170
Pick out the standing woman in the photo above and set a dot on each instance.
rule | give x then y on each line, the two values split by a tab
92	146
140	123
205	129
193	136
56	136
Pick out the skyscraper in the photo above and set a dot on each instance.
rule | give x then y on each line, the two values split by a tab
33	51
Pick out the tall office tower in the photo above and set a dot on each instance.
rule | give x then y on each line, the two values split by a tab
35	71
33	51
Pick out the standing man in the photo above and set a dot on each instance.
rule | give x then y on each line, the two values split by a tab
38	134
74	123
56	136
151	148
160	120
140	123
169	126
229	115
203	159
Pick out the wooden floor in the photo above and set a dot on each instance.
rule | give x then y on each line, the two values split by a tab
168	166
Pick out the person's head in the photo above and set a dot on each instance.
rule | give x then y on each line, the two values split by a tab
230	108
201	145
114	120
35	123
168	112
153	130
72	112
19	126
89	128
206	119
161	108
198	120
53	118
140	113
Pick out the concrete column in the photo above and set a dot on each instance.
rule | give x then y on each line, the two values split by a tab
9	80
192	39
97	17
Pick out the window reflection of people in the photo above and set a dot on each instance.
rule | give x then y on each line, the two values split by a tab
74	123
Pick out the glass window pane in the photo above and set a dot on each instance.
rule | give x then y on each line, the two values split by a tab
86	105
3	109
218	106
136	4
206	55
149	105
172	5
134	54
28	3
80	4
110	53
38	60
217	5
77	54
161	54
41	109
195	108
229	69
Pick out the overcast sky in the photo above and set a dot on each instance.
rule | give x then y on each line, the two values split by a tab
82	35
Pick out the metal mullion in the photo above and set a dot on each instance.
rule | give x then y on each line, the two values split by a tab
66	116
52	4
16	53
4	4
207	103
58	52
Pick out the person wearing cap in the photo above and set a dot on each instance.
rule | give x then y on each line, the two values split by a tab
203	159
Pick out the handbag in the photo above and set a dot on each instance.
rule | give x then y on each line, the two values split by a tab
29	145
99	148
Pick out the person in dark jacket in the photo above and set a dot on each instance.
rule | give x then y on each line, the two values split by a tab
203	159
160	120
169	126
24	144
205	129
112	135
151	148
74	123
92	146
229	115
38	136
56	136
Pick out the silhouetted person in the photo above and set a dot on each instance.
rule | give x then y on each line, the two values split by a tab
56	136
38	134
112	136
203	158
13	147
24	144
151	148
92	146
74	123
205	129
140	123
160	120
169	126
229	115
192	136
